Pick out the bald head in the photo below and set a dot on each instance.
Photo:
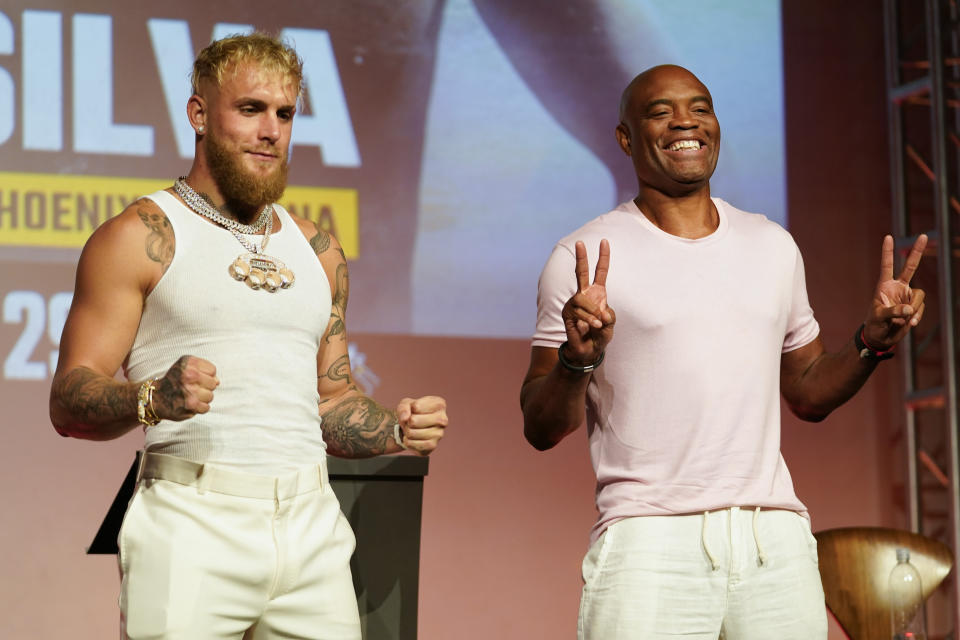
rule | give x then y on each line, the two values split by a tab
639	83
669	130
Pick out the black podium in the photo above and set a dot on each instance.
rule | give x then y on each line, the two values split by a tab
382	498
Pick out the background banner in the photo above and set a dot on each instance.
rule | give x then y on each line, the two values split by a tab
448	144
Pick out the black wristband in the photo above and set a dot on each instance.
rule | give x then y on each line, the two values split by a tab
572	367
866	353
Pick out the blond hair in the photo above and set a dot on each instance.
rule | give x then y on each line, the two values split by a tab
225	56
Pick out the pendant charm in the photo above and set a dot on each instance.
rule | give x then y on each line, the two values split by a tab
261	271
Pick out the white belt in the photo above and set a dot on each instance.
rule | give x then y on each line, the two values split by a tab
208	477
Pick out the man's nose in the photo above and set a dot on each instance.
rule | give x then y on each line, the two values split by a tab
683	120
270	128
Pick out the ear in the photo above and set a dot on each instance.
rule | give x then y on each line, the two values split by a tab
623	138
197	113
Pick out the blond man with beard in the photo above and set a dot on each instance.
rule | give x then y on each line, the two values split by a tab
221	307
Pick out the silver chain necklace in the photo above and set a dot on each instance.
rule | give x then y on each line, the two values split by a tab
255	268
201	206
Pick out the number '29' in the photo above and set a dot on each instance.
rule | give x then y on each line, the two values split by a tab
38	316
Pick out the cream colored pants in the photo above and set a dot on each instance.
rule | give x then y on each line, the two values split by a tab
208	553
734	574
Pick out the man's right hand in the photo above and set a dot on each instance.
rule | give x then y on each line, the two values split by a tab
587	317
186	389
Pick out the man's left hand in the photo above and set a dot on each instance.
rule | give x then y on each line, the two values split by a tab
896	307
422	421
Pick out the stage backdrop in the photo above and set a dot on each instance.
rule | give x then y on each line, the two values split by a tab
447	144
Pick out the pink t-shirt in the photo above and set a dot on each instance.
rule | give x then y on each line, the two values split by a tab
684	414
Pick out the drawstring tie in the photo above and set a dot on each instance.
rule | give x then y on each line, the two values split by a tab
761	556
706	547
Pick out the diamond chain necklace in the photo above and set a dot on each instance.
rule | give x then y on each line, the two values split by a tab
201	206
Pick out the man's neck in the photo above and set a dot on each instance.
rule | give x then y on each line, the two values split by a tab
690	215
243	214
207	189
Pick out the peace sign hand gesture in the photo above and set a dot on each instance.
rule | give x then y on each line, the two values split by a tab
895	307
587	318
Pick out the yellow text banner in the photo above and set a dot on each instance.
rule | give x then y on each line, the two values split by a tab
61	211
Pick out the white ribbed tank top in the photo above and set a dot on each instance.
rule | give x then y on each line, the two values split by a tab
264	416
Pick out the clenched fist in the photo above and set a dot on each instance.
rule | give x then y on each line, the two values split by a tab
186	389
422	422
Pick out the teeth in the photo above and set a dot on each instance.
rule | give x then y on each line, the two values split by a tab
684	144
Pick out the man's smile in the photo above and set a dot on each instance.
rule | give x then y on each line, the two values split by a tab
685	145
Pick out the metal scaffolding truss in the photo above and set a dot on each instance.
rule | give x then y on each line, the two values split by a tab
923	88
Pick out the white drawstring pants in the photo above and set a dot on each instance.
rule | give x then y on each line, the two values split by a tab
734	574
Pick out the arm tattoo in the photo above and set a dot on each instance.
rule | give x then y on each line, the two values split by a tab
160	241
93	398
340	369
357	427
352	387
338	307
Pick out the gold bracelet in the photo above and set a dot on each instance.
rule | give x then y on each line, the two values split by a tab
145	412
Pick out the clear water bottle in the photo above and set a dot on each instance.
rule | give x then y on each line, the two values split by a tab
906	600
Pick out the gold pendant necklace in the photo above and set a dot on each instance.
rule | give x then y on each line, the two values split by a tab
257	269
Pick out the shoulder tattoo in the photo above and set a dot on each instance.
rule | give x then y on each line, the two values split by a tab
159	244
320	242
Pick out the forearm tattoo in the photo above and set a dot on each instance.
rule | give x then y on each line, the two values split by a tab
93	398
357	427
159	244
